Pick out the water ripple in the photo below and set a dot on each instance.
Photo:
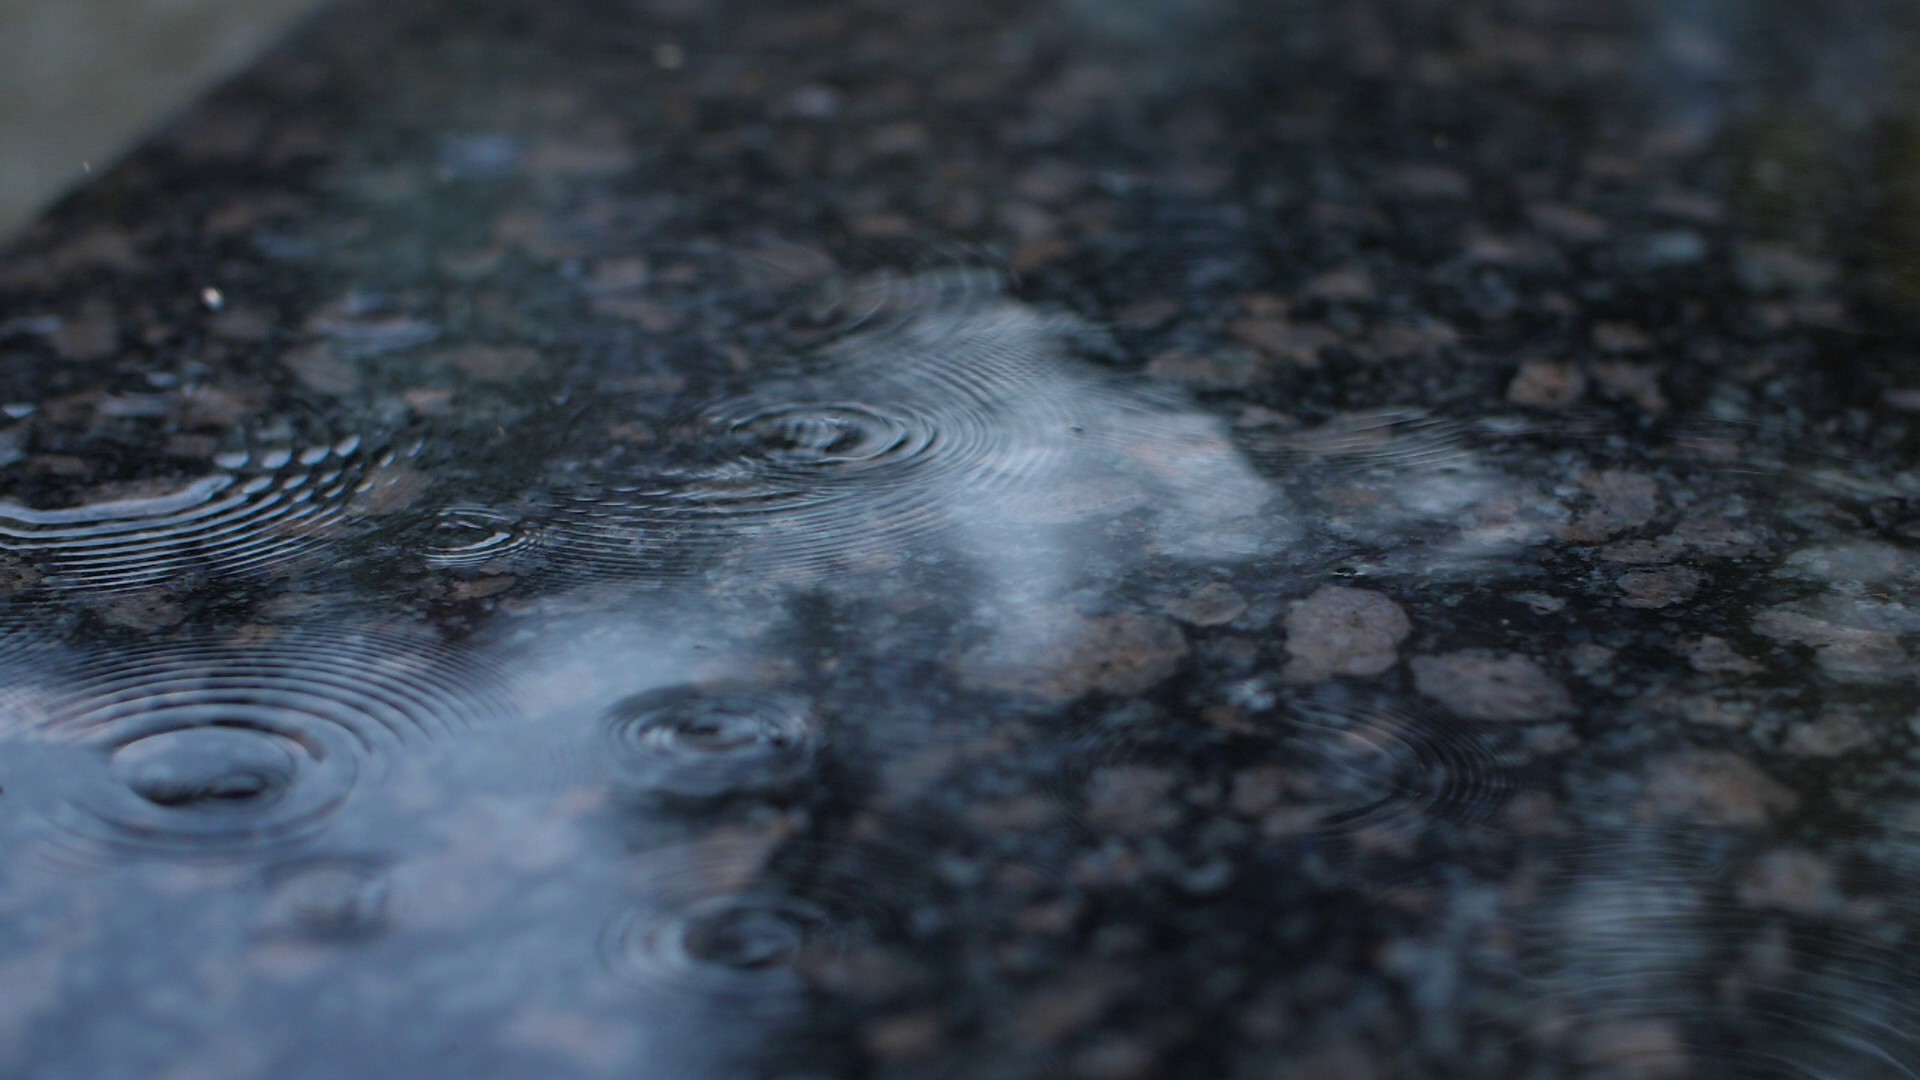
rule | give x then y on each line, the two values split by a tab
471	537
262	509
1628	928
743	947
1337	763
752	922
1395	440
899	434
205	748
706	742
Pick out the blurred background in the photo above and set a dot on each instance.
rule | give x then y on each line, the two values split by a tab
81	79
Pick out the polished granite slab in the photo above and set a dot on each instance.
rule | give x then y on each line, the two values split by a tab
1328	540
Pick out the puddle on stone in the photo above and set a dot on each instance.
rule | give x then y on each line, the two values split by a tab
1308	586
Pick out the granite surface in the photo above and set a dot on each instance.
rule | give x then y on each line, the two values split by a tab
1322	539
81	78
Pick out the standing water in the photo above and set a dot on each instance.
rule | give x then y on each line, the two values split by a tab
674	540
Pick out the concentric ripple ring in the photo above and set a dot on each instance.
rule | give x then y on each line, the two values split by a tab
472	536
262	509
212	748
708	742
1370	763
901	432
742	948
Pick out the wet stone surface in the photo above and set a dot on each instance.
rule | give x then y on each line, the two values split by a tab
1296	539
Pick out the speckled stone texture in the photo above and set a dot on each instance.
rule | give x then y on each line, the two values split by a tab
1328	540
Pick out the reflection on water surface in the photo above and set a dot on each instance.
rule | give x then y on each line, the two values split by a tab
998	540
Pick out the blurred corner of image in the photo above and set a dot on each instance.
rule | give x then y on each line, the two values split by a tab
80	80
